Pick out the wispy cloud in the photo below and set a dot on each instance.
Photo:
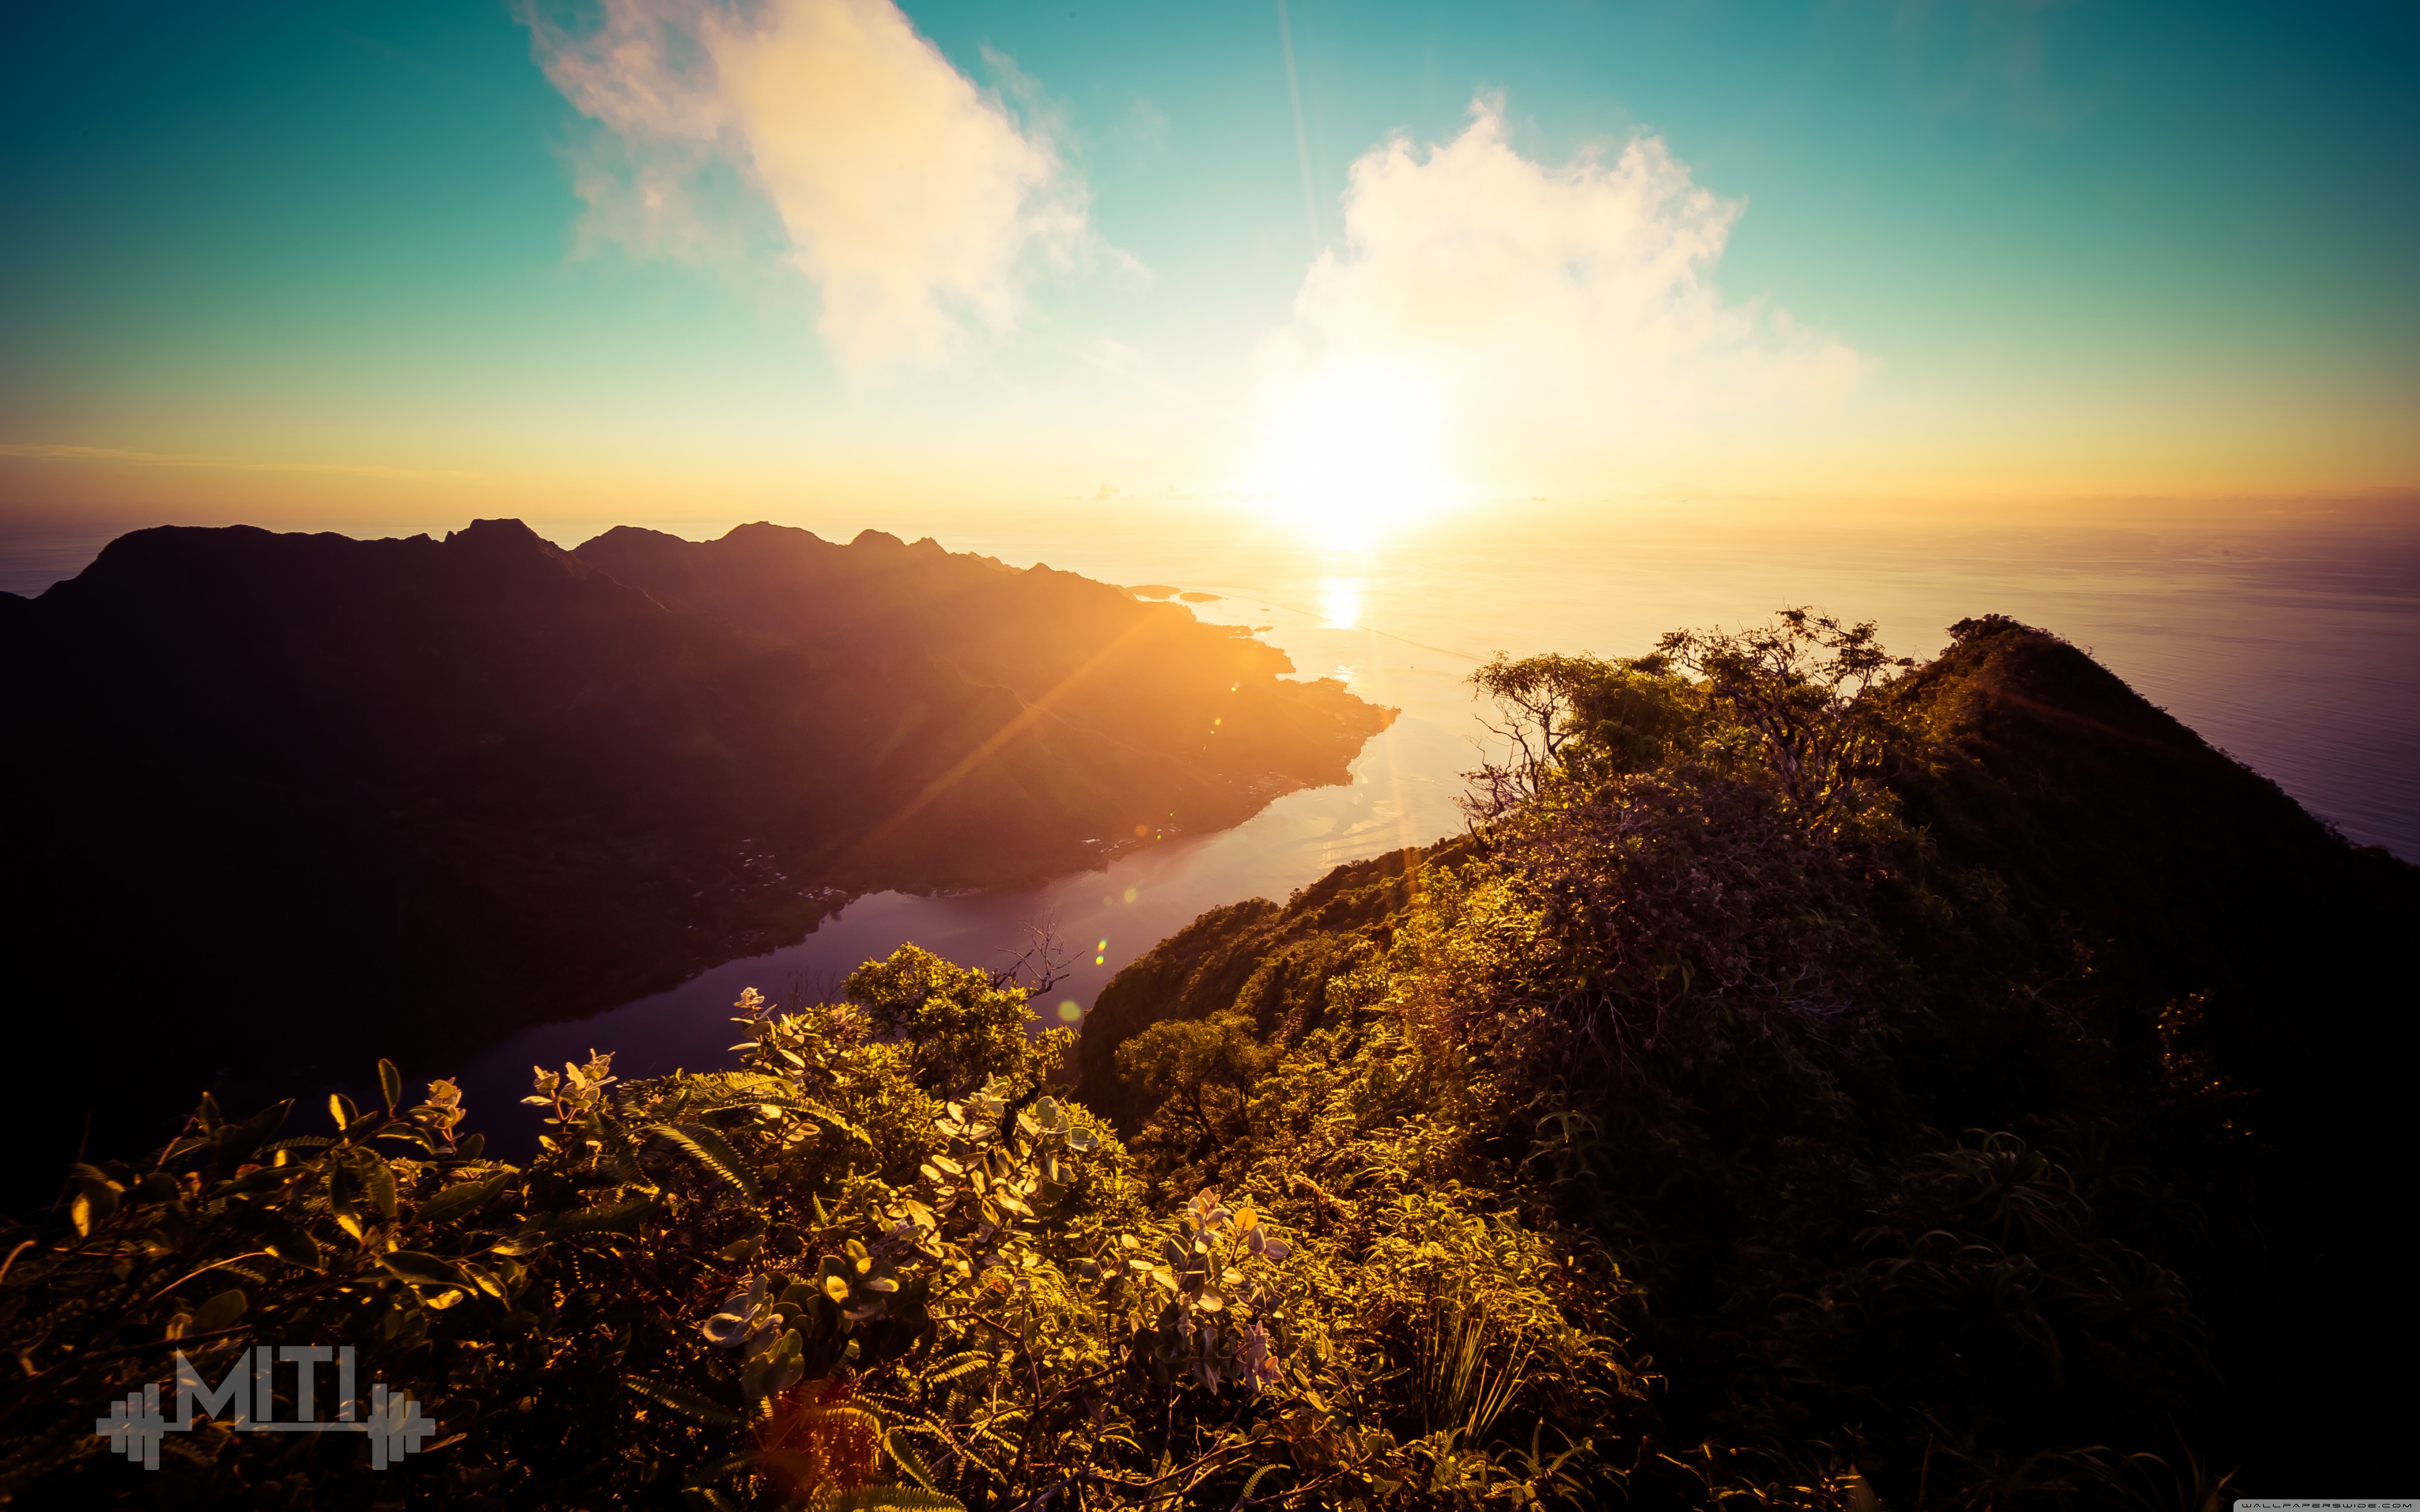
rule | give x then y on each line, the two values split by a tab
1545	307
920	204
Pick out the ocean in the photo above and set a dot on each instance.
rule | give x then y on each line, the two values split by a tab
2292	644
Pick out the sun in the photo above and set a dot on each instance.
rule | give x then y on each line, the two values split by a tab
1354	455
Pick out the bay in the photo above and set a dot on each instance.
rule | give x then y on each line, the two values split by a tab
2294	645
2291	642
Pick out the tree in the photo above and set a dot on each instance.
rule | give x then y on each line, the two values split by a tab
1800	684
1576	716
1195	1072
960	1027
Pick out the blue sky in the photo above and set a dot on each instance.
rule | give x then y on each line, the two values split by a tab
2071	248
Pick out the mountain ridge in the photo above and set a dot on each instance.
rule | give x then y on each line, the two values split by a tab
2079	928
483	780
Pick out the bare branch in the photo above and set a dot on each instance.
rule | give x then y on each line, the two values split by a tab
1042	965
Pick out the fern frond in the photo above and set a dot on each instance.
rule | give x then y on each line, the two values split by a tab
785	1098
904	1455
612	1215
462	1198
856	1417
826	1116
687	1403
1253	1481
885	1499
958	1366
705	1144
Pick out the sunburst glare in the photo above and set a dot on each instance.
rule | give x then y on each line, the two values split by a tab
1355	455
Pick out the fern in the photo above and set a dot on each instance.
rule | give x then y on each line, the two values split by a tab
688	1404
904	1455
785	1098
1253	1481
462	1198
959	1366
705	1144
612	1215
841	1416
885	1499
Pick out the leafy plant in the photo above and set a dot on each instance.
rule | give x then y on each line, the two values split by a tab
828	1277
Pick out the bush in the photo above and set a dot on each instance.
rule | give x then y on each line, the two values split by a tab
835	1276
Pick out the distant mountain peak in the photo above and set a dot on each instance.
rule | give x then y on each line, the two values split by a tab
481	779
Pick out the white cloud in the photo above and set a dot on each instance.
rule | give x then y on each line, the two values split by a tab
1559	310
920	204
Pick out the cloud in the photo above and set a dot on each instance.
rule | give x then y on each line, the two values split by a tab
828	129
1566	307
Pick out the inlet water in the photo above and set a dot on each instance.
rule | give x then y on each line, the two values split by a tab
2297	650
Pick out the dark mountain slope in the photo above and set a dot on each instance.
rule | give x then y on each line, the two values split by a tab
2177	868
280	795
2125	859
1139	675
2087	928
1272	963
2187	921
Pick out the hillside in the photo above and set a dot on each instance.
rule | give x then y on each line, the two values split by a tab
468	783
1130	683
2040	937
1814	1082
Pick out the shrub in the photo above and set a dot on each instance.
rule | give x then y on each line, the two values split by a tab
831	1275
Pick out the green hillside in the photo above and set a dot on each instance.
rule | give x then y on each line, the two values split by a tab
1814	1081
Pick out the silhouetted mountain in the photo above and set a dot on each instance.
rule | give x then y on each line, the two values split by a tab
324	792
1146	677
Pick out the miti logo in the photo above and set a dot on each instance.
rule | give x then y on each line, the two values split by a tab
246	1402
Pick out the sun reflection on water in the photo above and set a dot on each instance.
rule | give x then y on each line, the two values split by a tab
1339	603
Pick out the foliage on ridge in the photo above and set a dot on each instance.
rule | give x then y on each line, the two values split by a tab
1724	1120
1742	981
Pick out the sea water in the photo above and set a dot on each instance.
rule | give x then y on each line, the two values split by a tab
2294	646
2295	649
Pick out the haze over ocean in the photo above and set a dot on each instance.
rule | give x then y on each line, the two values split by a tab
1179	295
2293	646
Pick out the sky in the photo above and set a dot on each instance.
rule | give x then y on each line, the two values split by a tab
356	263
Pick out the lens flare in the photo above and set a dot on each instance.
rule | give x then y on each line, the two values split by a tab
1355	454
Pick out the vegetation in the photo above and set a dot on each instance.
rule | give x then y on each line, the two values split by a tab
488	783
1716	1124
1950	1059
858	1271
